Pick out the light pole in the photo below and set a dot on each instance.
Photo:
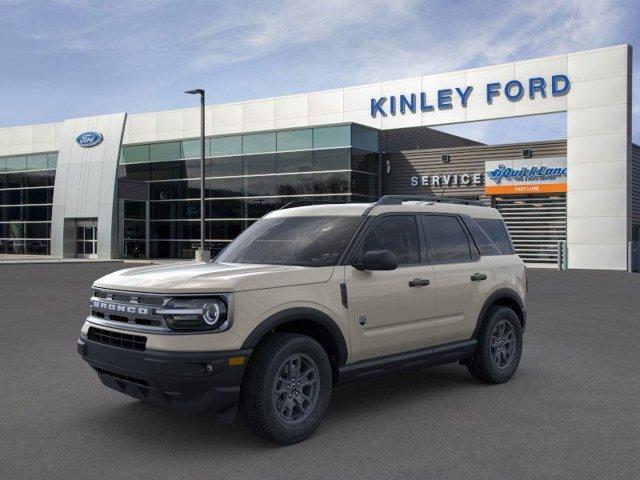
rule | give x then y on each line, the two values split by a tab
200	254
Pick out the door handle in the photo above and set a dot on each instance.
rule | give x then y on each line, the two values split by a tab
418	282
477	277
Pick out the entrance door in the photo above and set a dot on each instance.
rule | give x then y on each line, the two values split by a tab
87	239
391	311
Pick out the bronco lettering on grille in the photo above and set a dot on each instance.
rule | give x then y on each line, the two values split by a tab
115	307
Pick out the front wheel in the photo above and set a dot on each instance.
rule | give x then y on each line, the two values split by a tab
499	346
287	387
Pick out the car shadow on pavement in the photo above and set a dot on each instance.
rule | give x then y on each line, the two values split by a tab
136	422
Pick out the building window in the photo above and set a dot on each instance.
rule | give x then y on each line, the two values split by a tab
331	137
295	140
259	143
247	176
26	197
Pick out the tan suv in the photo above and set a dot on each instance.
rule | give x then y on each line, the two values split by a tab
309	297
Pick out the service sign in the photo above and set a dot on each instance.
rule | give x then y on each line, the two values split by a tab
522	176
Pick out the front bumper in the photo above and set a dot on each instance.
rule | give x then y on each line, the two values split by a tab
200	381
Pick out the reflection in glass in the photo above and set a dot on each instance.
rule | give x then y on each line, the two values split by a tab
259	143
295	162
295	140
260	164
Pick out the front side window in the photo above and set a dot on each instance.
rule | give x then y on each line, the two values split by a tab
448	242
304	241
396	233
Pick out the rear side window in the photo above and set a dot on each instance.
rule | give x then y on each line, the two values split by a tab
448	243
491	236
397	233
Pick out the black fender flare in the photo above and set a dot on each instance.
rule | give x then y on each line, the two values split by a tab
300	313
499	294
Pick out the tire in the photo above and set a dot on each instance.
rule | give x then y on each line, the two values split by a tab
496	359
275	404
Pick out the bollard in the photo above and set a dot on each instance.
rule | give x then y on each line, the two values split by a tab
562	255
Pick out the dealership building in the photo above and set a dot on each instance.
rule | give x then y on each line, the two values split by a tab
128	185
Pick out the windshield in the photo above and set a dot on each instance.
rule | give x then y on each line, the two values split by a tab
305	241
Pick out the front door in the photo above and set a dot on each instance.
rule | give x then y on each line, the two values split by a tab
388	311
86	239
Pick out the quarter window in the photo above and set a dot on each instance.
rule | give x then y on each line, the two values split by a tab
396	233
448	242
497	232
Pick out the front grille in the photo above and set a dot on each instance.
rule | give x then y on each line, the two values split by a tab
131	308
117	339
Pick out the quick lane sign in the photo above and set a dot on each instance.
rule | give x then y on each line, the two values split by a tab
448	98
543	175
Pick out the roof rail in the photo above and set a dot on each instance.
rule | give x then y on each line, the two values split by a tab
400	199
306	203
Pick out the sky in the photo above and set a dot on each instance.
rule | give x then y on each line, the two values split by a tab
73	58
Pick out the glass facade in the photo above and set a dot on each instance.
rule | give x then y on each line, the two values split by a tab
246	177
26	196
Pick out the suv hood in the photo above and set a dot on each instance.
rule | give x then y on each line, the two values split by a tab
211	277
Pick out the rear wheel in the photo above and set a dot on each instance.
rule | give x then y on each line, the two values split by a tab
287	388
499	347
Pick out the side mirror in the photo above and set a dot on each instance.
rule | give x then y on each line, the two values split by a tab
378	260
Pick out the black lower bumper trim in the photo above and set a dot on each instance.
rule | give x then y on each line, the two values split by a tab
200	381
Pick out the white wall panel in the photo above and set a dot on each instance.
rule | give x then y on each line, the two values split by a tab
595	176
597	93
600	63
597	203
597	120
44	134
291	107
293	122
612	230
325	103
359	98
262	111
598	148
598	257
144	123
432	83
227	115
169	121
21	135
540	67
326	118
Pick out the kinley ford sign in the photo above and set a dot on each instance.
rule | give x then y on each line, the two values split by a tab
447	98
504	177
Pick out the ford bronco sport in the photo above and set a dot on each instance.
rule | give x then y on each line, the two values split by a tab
309	297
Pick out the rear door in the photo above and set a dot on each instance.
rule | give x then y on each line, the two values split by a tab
391	311
463	279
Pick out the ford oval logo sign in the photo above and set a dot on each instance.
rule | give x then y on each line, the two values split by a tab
89	139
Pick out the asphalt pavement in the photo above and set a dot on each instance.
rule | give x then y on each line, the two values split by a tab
572	411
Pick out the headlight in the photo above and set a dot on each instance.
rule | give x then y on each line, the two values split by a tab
196	314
